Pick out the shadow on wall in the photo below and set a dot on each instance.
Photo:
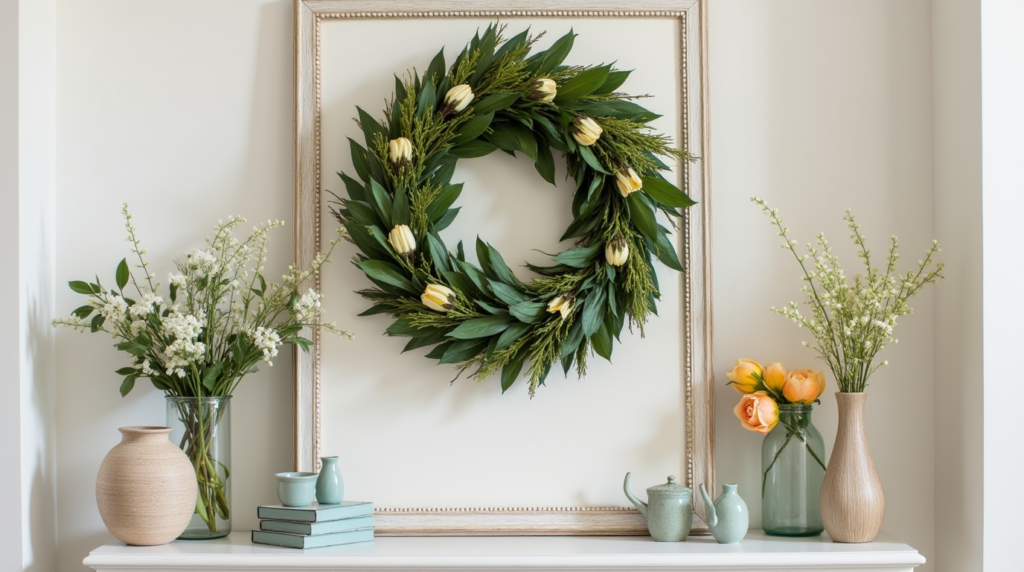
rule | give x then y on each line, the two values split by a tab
39	367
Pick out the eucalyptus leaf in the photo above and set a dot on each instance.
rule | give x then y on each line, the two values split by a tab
510	371
473	128
387	273
583	83
463	350
512	334
481	327
642	216
495	102
666	193
529	312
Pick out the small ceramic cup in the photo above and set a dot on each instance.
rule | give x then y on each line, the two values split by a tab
296	489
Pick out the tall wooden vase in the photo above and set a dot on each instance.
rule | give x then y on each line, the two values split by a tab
851	502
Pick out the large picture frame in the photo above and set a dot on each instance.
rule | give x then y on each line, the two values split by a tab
696	354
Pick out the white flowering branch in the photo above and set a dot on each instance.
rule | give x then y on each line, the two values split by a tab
852	322
220	319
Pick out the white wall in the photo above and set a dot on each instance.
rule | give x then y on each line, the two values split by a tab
1002	129
184	110
27	139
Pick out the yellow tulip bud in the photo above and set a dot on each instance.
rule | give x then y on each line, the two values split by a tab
562	305
403	241
438	297
627	181
616	251
543	89
585	130
744	375
457	99
774	376
400	152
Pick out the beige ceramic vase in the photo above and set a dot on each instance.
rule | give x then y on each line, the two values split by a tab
851	501
146	487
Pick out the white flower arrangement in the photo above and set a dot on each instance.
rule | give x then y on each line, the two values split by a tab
222	318
852	321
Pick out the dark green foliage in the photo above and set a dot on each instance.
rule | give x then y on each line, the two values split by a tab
496	322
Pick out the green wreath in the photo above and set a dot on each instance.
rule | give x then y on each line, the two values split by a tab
497	96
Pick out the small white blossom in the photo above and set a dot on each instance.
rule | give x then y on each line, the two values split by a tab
307	309
267	341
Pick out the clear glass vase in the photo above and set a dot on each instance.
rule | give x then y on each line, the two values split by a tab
201	426
793	466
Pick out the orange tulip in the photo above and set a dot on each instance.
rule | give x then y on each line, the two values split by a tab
758	412
803	386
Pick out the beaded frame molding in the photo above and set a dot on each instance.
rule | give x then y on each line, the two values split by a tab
694	234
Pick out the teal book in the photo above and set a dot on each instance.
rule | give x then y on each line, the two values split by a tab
315	528
316	512
318	541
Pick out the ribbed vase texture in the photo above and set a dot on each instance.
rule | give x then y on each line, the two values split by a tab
146	488
852	502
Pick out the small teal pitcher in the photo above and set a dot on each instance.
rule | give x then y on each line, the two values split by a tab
728	518
330	488
669	510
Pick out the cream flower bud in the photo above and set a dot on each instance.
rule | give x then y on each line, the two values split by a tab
457	99
438	298
400	152
403	241
585	130
616	251
562	305
627	181
543	89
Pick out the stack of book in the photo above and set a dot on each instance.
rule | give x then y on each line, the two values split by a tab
316	525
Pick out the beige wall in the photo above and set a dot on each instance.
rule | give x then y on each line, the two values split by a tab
183	109
956	52
818	107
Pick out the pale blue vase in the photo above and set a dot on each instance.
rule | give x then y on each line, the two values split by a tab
728	518
330	489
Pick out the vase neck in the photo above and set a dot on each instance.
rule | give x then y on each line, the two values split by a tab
851	410
795	415
144	433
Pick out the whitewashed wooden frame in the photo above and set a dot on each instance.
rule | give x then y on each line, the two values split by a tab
695	249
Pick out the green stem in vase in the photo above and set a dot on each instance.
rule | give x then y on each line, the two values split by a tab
790	432
211	500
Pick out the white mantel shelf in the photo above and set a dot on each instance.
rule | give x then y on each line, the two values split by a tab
757	553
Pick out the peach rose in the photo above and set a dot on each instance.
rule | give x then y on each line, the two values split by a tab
744	375
803	386
757	411
774	376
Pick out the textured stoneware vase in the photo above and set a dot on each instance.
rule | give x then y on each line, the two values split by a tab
146	487
852	503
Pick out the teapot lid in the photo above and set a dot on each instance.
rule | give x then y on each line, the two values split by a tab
671	487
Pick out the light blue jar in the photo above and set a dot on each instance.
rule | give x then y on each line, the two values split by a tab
330	488
728	518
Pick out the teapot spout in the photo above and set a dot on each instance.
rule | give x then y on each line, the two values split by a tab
712	514
639	504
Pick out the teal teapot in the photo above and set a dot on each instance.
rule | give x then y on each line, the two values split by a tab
668	510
